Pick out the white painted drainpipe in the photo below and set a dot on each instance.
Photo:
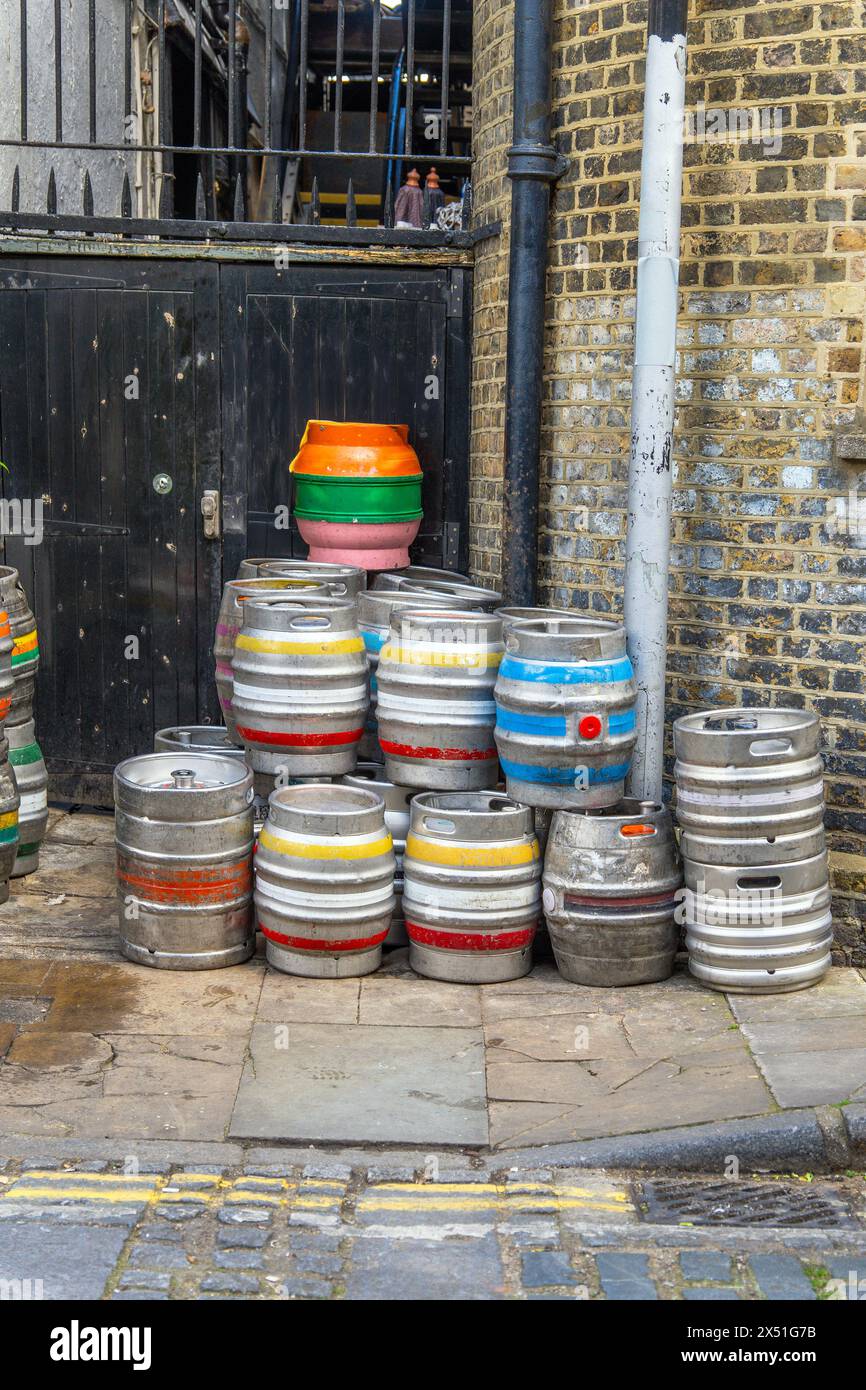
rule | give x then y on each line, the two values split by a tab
648	540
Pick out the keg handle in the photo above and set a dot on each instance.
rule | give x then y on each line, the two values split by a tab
759	882
318	621
770	747
440	825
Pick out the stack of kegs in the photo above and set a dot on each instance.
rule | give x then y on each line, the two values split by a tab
750	804
10	799
565	732
24	754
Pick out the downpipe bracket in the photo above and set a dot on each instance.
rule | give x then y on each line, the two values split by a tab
527	160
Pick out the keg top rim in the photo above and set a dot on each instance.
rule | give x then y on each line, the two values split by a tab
474	803
744	719
276	583
516	613
154	771
470	616
326	798
758	734
392	599
455	587
627	808
310	605
571	626
333	567
199	735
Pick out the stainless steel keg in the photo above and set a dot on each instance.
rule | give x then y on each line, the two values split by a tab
300	693
760	928
749	786
184	834
230	621
324	890
435	698
565	712
612	880
472	887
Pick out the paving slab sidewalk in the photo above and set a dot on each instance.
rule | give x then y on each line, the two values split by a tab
95	1048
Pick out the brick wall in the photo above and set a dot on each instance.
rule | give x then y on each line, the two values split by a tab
768	583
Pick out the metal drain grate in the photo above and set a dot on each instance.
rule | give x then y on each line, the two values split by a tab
736	1203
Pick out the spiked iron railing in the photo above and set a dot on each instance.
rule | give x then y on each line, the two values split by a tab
214	38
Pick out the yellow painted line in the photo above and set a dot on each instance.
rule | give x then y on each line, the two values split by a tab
314	646
500	1189
486	1204
10	818
470	856
28	643
299	849
467	657
62	1175
78	1194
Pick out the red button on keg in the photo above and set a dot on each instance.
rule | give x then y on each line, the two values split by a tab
589	726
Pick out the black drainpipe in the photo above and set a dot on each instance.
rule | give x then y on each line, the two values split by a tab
533	165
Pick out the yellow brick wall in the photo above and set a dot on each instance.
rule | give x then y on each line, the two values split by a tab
768	583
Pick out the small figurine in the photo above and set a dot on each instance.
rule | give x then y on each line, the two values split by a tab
409	207
435	196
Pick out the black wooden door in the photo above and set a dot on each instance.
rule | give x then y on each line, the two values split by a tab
109	414
389	345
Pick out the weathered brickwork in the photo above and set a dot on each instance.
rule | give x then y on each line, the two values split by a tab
768	579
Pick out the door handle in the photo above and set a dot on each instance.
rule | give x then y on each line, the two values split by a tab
210	511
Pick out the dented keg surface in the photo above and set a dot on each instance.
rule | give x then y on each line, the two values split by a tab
612	881
472	887
397	801
394	579
31	779
749	786
184	833
300	686
324	890
460	595
565	712
10	801
343	581
25	645
374	621
230	621
435	699
759	929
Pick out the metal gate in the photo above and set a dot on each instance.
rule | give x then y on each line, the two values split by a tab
130	386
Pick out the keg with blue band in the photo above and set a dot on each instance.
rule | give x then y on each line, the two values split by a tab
565	712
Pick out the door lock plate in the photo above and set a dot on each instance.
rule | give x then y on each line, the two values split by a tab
210	510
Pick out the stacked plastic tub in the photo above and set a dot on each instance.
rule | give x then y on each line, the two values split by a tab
750	804
357	493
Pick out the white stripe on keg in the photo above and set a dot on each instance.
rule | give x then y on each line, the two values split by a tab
330	904
33	803
402	704
336	695
772	798
294	837
477	898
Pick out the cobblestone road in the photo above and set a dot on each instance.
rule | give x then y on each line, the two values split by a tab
328	1232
